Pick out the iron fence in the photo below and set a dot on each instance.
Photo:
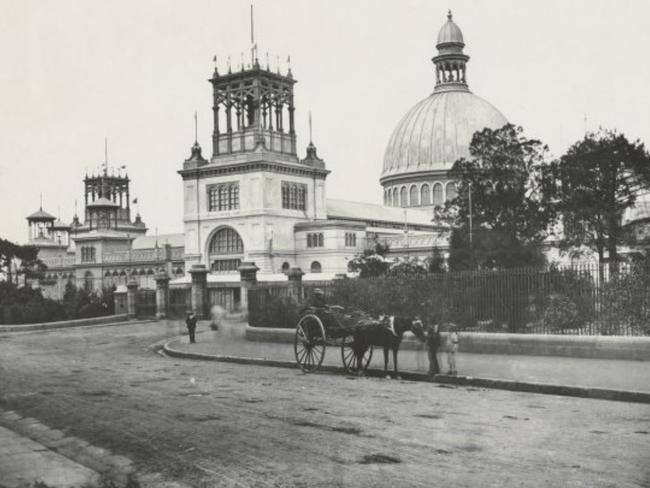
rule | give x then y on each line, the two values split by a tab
583	299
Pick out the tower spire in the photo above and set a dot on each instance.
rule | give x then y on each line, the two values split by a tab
451	60
196	127
41	202
105	155
310	136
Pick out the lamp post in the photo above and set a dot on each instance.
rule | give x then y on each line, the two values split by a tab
470	213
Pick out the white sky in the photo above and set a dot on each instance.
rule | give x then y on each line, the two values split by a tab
73	72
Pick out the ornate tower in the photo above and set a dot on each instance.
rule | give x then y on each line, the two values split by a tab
107	204
451	61
251	107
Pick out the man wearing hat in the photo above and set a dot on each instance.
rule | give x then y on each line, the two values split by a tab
190	322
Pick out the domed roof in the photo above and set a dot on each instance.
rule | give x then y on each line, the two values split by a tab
450	33
41	214
437	131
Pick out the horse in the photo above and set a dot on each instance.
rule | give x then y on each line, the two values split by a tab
384	337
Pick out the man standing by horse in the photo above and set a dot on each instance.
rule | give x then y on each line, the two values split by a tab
433	344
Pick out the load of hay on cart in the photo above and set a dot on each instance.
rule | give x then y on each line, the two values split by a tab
319	327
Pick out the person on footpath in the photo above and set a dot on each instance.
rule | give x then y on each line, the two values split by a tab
216	314
190	322
434	341
452	348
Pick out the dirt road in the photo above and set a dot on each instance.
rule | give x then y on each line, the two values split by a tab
217	424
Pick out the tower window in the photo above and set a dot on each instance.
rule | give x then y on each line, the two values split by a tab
294	196
88	254
224	196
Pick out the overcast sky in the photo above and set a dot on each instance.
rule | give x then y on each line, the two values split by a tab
74	72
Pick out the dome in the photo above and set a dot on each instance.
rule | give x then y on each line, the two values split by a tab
450	33
437	131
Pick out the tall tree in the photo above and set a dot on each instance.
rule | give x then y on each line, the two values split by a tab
503	190
16	260
599	178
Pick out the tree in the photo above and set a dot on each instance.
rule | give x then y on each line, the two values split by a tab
372	262
511	210
598	178
16	260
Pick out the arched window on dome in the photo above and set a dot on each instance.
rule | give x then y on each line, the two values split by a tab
425	196
451	191
385	197
402	197
414	194
395	198
437	194
389	197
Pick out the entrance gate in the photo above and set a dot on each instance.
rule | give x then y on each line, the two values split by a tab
180	302
145	305
228	298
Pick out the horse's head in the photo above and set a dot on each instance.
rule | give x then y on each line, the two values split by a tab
417	327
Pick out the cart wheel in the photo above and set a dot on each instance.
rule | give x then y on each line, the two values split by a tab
309	345
350	358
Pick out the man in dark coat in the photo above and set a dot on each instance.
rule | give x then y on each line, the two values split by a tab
433	344
190	322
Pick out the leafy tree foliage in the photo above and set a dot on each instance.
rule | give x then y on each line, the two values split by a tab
508	183
17	260
599	178
372	262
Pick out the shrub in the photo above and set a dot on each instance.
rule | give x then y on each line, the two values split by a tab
561	313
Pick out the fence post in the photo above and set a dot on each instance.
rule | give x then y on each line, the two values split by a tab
295	284
162	295
199	289
248	277
131	298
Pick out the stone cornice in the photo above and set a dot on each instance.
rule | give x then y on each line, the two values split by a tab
251	167
415	176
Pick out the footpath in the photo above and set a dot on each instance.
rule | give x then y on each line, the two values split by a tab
595	378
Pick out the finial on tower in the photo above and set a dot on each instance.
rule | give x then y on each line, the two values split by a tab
229	66
310	137
196	127
105	155
216	70
41	202
449	16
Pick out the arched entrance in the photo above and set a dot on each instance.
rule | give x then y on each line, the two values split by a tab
225	254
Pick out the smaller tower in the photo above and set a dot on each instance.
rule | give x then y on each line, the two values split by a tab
451	61
40	226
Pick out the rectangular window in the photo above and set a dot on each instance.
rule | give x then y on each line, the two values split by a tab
294	196
224	196
350	239
315	240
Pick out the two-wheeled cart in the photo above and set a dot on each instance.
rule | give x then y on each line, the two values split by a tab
321	327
